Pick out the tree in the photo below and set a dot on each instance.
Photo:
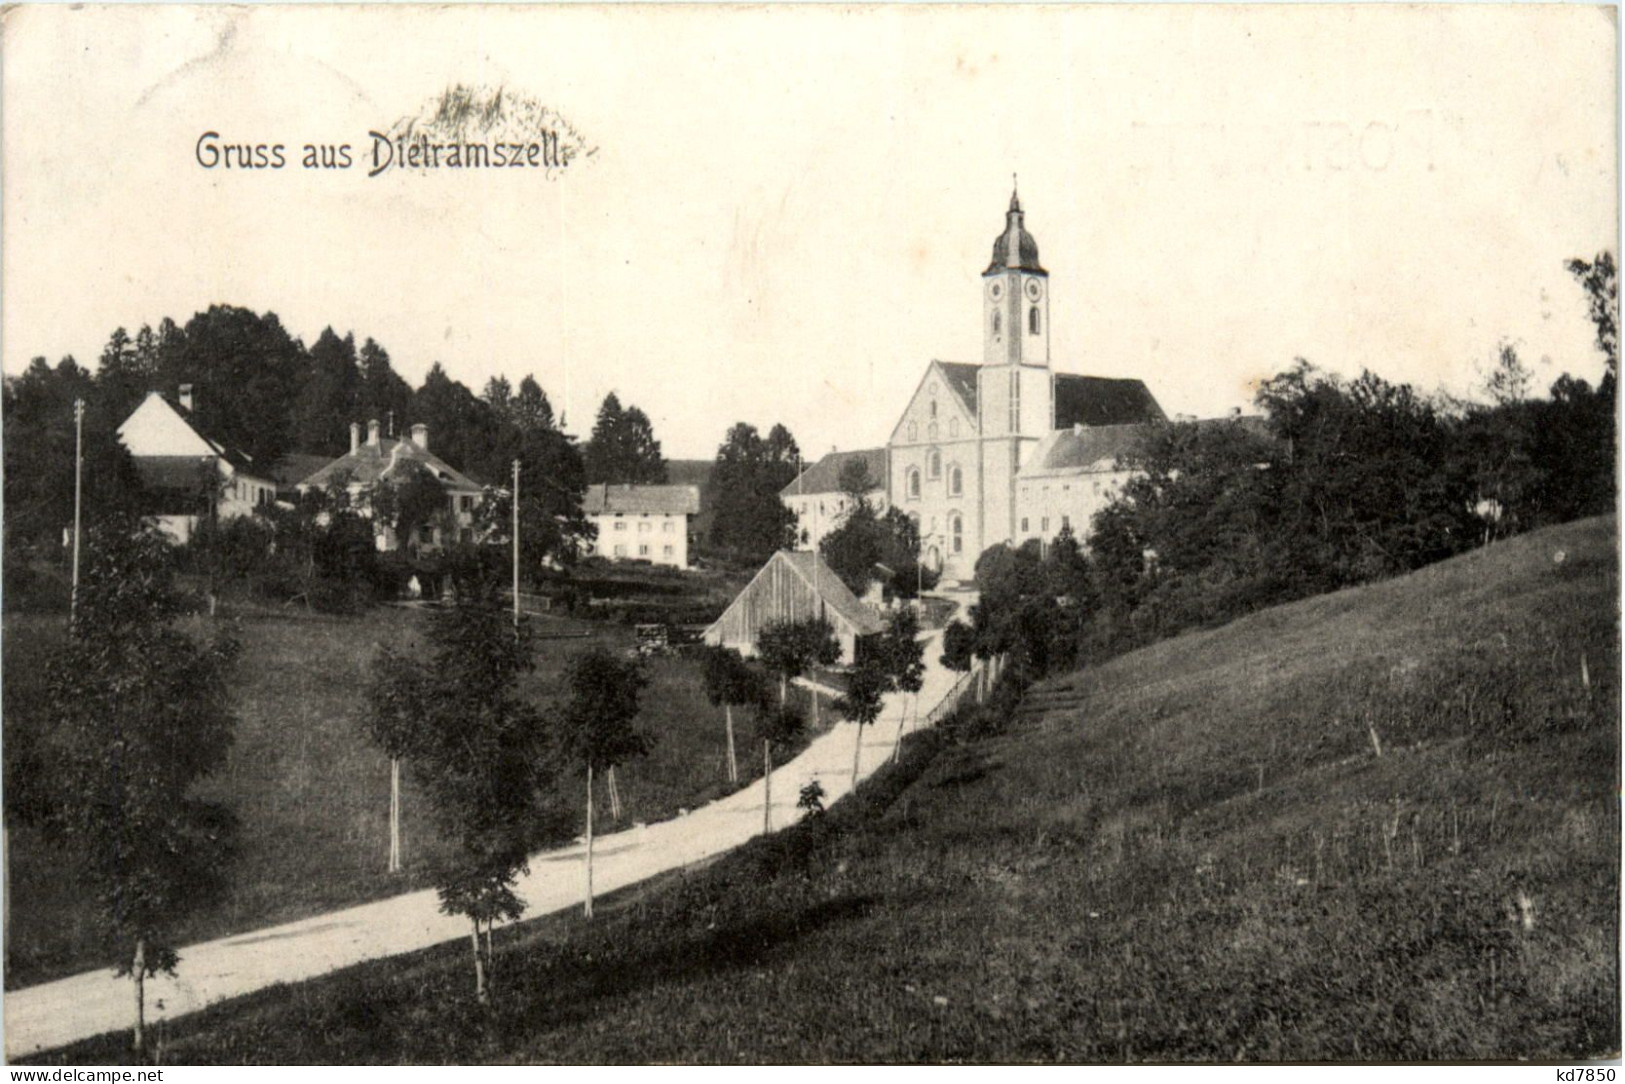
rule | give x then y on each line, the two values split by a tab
479	752
729	682
623	449
328	396
139	714
383	394
751	521
246	370
865	542
777	728
1599	278
38	448
599	730
904	656
790	648
419	501
1508	379
866	686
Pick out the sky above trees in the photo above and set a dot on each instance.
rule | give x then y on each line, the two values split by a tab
1213	191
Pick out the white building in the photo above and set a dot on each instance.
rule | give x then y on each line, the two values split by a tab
384	461
189	474
642	523
819	502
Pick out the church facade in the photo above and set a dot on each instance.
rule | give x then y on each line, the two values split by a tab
1007	448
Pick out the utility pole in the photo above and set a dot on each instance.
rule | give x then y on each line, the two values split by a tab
78	491
516	544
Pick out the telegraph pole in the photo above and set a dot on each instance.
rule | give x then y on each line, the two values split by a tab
516	544
78	491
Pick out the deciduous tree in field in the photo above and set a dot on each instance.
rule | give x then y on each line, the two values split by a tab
777	726
599	730
905	662
867	684
479	752
729	681
791	648
138	713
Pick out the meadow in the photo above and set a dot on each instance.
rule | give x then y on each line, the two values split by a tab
1380	824
310	792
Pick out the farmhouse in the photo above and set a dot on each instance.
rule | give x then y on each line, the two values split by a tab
384	461
794	586
190	474
643	523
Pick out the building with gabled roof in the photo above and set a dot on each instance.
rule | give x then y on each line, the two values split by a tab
187	473
819	502
384	461
642	522
961	454
794	586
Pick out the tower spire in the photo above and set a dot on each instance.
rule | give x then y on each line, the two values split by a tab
1015	199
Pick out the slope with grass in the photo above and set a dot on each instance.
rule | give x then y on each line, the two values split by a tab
1193	852
311	794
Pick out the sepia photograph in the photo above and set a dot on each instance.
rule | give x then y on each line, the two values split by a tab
801	534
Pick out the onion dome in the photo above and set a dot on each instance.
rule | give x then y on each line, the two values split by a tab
1015	247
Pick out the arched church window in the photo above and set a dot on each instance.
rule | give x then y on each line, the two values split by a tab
956	532
953	427
933	464
1032	319
914	485
956	481
913	431
998	324
933	408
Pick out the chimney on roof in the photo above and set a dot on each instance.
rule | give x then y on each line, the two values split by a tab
1077	429
355	435
420	436
372	432
186	397
1235	412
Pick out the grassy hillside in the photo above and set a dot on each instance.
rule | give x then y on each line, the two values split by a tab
1194	852
312	795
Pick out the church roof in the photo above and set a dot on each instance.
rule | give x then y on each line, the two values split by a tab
666	500
1015	247
1085	449
961	377
1098	400
824	476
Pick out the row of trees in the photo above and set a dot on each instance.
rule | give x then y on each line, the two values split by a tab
259	389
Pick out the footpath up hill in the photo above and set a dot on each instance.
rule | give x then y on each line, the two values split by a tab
1194	852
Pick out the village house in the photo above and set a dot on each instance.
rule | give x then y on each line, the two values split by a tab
642	522
189	474
819	502
386	461
794	586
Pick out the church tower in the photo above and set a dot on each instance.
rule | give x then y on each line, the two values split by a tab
1015	387
1015	297
1016	383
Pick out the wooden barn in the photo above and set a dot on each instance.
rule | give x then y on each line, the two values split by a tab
794	586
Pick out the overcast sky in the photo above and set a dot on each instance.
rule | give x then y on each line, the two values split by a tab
789	209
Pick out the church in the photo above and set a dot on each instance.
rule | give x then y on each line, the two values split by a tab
1004	450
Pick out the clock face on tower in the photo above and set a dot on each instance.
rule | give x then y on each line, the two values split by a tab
1034	290
995	290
